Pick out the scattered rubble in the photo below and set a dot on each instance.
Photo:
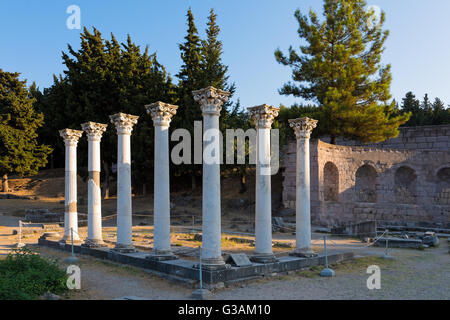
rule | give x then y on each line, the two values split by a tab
42	216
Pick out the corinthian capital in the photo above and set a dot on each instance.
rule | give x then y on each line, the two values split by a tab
161	113
124	122
70	136
303	127
263	115
94	130
211	99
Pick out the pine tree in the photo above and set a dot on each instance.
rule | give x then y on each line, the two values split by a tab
411	105
20	152
441	115
339	68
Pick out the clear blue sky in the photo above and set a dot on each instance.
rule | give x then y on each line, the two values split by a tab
33	34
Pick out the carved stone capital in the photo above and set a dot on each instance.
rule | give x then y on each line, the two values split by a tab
70	136
124	122
94	131
303	127
161	113
211	100
263	115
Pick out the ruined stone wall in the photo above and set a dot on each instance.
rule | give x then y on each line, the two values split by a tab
352	184
425	137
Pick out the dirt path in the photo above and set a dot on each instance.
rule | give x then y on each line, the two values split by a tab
412	275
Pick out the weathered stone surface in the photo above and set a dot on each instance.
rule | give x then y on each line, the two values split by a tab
391	181
431	241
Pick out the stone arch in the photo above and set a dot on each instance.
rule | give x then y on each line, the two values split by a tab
366	184
330	182
443	186
405	185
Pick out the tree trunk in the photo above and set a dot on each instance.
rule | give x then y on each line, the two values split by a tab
5	187
144	189
333	139
193	180
106	185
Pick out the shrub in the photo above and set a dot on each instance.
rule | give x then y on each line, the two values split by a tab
26	275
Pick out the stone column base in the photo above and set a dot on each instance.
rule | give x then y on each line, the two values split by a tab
69	241
213	264
124	248
94	243
303	253
263	258
161	255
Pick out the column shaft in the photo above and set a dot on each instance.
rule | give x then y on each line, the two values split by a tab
263	214
124	217
211	211
303	195
162	192
94	194
303	128
70	194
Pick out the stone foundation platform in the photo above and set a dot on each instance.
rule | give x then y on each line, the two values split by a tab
188	270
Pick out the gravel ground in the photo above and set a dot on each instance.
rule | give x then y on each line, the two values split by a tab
413	274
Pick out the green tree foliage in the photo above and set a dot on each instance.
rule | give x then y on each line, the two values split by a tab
339	68
441	115
102	78
425	113
202	67
296	111
20	152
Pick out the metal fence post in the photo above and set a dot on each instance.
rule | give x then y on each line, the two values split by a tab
327	272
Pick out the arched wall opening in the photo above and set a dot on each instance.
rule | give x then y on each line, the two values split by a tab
366	184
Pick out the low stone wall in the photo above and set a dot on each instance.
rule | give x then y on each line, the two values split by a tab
352	184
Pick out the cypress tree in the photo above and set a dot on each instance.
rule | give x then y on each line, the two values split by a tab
190	77
102	78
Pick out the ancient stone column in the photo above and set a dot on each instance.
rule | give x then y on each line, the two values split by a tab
211	101
124	124
303	128
263	117
71	138
94	132
162	114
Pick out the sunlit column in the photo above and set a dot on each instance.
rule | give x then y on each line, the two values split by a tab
211	101
94	132
162	114
263	117
303	128
124	124
71	138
